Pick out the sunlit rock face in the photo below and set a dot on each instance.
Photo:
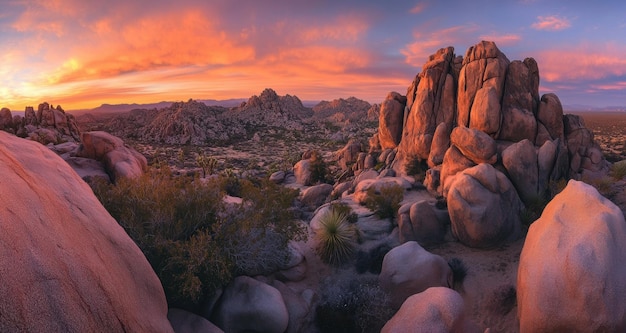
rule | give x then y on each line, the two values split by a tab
66	265
571	275
484	108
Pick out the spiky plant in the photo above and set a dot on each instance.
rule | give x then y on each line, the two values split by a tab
336	239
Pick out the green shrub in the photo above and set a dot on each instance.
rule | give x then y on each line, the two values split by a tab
618	170
336	239
194	241
385	201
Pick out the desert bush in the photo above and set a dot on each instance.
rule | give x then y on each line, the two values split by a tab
352	306
318	168
459	271
336	239
618	170
416	167
385	201
193	240
341	207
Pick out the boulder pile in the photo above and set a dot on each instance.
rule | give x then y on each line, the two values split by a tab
479	121
46	125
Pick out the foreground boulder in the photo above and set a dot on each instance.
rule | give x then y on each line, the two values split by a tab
571	274
436	310
408	269
484	207
67	266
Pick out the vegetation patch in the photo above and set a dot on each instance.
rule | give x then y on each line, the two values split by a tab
385	202
618	170
194	240
337	238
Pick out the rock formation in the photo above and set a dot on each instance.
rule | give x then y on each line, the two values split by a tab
460	112
571	276
47	125
67	266
341	110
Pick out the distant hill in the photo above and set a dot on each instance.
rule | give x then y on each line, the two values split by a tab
119	108
582	107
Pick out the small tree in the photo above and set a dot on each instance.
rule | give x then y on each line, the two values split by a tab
207	163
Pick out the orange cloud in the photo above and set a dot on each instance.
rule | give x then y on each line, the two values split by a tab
552	23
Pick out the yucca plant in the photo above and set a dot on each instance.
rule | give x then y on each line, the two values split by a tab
336	239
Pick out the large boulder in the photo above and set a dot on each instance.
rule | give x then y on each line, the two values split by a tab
67	266
408	269
419	222
571	275
436	310
476	145
316	195
426	109
360	191
484	207
120	160
550	114
248	305
484	66
520	161
390	120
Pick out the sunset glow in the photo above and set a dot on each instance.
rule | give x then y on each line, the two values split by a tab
81	54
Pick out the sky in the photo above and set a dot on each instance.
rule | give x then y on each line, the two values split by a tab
81	54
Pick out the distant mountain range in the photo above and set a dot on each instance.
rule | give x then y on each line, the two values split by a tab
119	108
581	107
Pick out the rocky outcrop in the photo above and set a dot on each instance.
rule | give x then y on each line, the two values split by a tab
49	125
390	120
67	266
120	160
484	108
342	110
571	276
431	99
408	269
